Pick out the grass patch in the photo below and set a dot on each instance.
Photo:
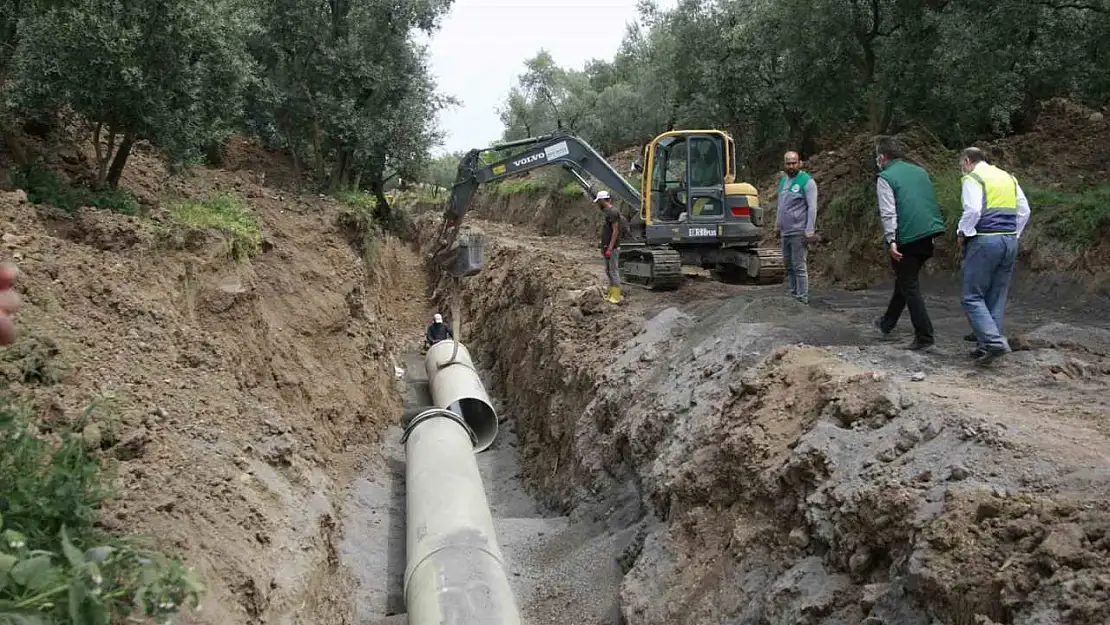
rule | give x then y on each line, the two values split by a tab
55	565
43	186
571	190
358	199
225	213
521	185
1077	219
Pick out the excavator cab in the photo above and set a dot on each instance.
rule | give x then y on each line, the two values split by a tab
687	181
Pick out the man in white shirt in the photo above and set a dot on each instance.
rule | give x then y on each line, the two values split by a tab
994	216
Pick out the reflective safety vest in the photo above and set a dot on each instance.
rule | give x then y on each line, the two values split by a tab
999	214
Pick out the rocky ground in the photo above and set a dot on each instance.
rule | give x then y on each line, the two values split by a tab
792	467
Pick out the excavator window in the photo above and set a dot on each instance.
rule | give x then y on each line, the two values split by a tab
668	184
707	175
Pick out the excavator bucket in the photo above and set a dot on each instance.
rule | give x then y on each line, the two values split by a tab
468	255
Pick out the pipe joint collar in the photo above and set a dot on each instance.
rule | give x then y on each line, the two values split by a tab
433	413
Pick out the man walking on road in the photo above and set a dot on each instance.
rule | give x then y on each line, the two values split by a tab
911	220
797	220
610	239
995	213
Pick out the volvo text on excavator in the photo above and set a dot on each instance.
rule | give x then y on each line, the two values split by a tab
689	209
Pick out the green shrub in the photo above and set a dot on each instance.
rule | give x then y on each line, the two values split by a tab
227	214
43	186
55	565
1076	218
358	199
521	185
571	190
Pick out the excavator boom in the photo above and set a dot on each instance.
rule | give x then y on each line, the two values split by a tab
566	149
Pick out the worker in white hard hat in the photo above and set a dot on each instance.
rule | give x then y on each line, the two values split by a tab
610	239
437	331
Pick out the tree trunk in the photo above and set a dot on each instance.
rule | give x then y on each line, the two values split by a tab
382	210
116	170
338	172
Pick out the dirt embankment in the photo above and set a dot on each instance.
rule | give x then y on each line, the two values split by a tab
1068	151
238	397
549	213
789	484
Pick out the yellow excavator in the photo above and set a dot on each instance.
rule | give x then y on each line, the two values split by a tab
689	209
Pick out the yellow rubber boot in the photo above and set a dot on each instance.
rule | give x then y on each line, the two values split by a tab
614	295
609	296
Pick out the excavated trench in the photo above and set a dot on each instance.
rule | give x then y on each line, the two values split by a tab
563	571
706	461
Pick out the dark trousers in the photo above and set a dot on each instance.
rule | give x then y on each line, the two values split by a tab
907	290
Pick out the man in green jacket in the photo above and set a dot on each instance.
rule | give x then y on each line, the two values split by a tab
911	220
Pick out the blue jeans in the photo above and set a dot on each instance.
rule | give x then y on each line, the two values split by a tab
988	266
794	257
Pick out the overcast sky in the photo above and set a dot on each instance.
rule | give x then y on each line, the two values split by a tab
480	50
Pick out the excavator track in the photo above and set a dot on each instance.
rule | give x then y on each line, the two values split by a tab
772	268
657	268
757	266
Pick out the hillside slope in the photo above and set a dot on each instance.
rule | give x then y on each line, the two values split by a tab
235	398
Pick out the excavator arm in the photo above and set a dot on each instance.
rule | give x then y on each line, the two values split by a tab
571	152
568	150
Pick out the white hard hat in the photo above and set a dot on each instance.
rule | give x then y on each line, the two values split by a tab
602	195
438	318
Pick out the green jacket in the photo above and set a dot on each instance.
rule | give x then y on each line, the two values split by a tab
915	203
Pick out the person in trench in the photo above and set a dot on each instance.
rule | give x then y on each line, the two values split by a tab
437	331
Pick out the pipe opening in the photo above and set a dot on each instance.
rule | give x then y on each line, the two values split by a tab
481	418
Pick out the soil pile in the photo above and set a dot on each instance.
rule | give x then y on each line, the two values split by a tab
236	398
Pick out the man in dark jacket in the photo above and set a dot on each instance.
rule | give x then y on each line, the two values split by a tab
437	331
911	220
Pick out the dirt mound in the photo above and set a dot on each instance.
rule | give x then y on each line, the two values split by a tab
272	167
237	397
784	484
545	212
1069	150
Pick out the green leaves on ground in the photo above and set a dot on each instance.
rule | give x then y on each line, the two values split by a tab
55	565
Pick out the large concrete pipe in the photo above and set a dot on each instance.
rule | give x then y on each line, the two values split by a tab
455	386
455	574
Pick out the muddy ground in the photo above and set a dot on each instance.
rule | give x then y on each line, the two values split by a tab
717	454
792	467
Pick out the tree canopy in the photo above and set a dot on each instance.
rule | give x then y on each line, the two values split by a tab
788	72
341	84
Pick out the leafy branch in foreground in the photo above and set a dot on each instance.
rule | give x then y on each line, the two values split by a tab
55	566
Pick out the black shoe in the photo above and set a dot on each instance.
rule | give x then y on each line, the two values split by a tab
919	345
976	353
971	338
989	355
878	323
